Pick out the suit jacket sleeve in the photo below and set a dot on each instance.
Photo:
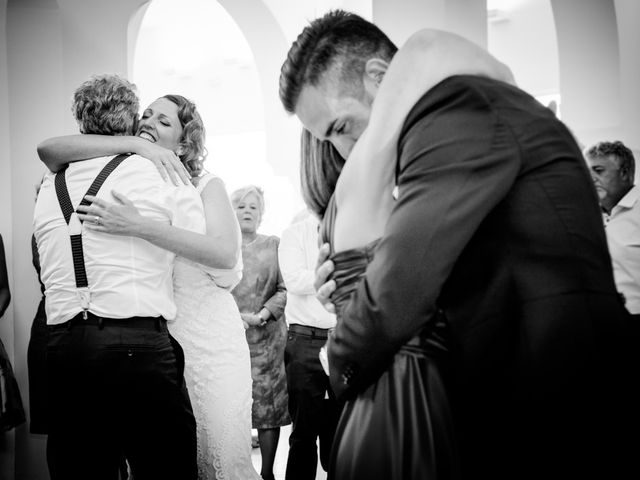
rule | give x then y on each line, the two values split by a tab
5	293
457	160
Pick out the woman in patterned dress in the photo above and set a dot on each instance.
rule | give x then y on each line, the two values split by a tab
261	297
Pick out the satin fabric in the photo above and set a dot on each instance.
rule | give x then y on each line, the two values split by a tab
400	427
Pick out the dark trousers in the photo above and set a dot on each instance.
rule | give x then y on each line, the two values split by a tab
116	390
314	416
37	368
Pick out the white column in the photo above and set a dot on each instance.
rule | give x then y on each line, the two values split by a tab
400	18
628	20
589	59
270	46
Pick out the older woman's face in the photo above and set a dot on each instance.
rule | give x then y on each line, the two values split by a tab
248	213
160	124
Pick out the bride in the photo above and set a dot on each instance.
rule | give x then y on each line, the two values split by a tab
208	324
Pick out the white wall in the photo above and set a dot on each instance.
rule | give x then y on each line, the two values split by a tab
524	37
400	18
7	440
589	68
628	20
34	74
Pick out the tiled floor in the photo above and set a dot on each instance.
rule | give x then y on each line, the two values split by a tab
281	457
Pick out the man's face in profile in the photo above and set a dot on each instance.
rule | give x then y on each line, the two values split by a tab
611	182
336	114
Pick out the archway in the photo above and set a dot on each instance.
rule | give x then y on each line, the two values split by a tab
207	58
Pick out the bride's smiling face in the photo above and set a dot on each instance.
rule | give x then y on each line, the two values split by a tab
160	124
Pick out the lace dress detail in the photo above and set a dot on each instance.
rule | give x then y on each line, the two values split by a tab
217	371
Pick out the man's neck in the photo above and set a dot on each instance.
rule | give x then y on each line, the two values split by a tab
608	206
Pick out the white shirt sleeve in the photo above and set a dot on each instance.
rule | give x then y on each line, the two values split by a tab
186	209
297	273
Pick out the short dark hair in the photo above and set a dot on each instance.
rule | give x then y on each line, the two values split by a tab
106	105
338	38
192	151
320	167
623	155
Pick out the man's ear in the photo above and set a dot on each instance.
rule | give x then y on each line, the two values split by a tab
625	173
374	71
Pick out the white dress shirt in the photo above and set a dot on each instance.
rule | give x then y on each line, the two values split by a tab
623	236
127	276
298	255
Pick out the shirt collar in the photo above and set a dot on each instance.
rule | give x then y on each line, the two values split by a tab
630	199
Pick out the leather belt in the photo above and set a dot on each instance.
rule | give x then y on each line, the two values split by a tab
313	332
145	323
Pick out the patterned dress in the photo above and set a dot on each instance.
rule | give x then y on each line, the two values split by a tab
262	286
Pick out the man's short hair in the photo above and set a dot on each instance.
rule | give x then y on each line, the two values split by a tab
106	105
340	40
617	149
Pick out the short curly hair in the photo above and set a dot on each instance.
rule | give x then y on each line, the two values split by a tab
192	151
106	105
240	194
340	40
320	167
622	154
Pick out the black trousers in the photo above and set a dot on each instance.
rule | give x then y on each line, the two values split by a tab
37	368
314	416
116	389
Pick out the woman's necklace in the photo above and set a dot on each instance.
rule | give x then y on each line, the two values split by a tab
250	242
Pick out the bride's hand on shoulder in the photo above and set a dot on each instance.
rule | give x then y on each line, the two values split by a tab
166	161
121	218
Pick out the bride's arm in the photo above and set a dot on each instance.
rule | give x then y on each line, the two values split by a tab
57	152
363	191
223	229
219	248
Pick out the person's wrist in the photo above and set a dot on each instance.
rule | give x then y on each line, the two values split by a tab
146	229
136	144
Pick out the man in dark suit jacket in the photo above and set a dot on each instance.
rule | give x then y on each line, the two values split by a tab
497	225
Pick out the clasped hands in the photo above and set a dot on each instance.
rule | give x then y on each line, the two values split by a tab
253	320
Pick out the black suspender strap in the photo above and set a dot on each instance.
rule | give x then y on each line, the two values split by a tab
75	224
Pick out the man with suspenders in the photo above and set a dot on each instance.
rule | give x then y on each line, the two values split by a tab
115	375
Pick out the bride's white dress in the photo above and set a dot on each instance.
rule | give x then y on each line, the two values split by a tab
217	367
